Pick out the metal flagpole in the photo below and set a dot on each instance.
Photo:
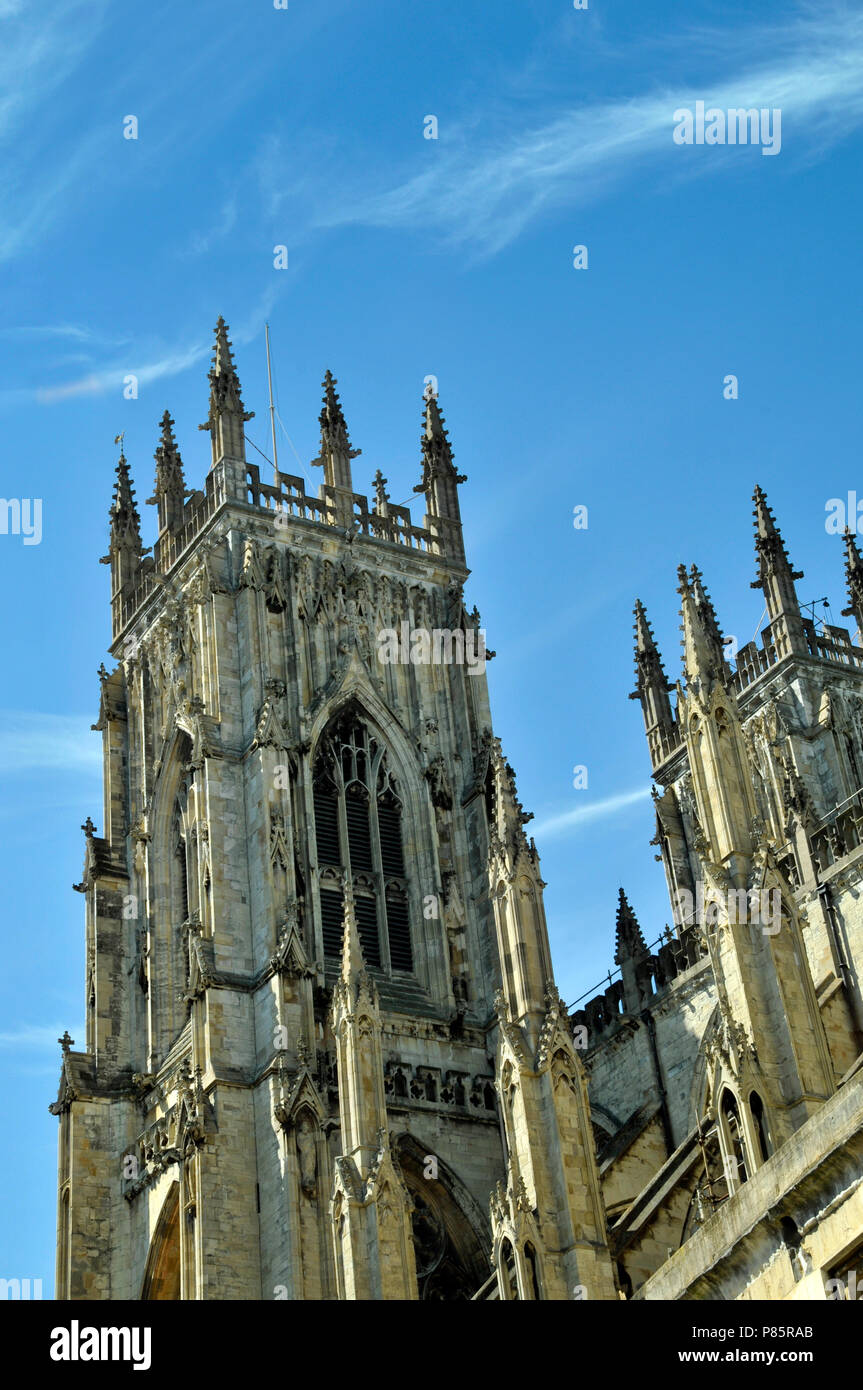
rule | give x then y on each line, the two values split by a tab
272	408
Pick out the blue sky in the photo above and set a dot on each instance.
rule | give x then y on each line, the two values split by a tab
303	127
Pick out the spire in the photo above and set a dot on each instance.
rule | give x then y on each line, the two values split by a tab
516	888
776	580
227	414
508	816
707	614
629	943
336	452
370	1206
170	490
382	497
701	658
854	581
652	689
353	971
123	515
769	545
125	551
440	480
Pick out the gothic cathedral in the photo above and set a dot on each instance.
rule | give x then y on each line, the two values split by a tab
325	1054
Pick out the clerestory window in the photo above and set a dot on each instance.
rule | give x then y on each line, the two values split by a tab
358	832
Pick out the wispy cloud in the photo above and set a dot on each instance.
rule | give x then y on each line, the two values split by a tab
79	333
36	58
33	1036
594	810
169	363
112	378
220	227
486	192
55	742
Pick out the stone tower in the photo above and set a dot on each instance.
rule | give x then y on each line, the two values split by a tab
316	950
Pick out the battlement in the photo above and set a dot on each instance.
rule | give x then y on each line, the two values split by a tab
277	502
233	482
787	635
623	998
832	645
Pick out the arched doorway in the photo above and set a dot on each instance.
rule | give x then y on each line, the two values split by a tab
451	1255
162	1276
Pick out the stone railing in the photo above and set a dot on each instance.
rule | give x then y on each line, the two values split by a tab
288	497
838	835
831	644
661	743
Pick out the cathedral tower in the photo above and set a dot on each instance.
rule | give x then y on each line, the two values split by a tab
287	1087
773	1063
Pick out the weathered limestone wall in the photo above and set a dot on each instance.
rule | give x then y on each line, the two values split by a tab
622	1070
813	1181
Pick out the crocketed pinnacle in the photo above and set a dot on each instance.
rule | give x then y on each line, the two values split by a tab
123	515
649	670
437	454
699	657
225	396
170	488
769	546
629	943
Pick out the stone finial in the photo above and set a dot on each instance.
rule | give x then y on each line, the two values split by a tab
629	943
854	581
509	817
440	482
707	614
776	581
336	450
353	963
125	522
437	454
66	1042
170	488
769	545
227	413
703	651
382	497
649	670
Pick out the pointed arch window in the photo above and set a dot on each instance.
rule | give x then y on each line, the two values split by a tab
756	1105
736	1164
358	831
532	1267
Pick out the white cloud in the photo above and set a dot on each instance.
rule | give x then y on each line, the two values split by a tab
79	333
593	810
169	363
113	377
33	1036
486	195
55	742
